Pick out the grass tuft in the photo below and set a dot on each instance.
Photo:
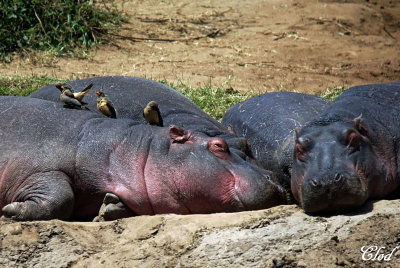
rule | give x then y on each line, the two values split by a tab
60	26
23	86
332	94
214	101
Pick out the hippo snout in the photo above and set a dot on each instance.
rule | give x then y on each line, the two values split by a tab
332	192
275	189
261	191
337	181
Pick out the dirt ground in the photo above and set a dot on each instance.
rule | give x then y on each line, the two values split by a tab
282	236
295	45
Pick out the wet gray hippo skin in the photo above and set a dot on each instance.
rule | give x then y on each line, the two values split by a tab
130	96
350	152
59	163
269	121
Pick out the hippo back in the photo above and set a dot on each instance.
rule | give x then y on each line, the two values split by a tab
269	121
130	96
377	102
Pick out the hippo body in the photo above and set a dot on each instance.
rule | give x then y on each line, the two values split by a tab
59	163
130	96
350	152
269	121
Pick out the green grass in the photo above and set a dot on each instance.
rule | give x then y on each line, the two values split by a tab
60	26
332	94
23	86
214	101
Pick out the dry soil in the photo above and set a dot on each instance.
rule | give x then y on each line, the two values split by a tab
263	45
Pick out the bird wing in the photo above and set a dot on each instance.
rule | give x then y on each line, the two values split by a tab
160	120
68	93
79	95
70	101
111	108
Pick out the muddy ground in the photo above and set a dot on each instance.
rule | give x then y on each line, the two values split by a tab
299	45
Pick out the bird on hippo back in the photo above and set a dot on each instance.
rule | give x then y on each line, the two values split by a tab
62	165
152	114
105	105
73	99
131	94
349	153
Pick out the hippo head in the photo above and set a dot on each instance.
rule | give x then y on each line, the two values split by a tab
187	172
334	166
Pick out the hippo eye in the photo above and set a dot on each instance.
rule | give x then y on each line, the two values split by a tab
218	147
301	148
352	141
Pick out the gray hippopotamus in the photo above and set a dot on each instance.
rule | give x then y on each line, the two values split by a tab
59	163
269	121
350	152
130	95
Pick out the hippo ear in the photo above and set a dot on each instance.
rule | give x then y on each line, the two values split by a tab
301	147
248	150
297	132
360	126
353	140
178	135
231	130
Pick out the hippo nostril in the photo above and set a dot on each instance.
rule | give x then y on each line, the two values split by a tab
268	177
338	177
315	183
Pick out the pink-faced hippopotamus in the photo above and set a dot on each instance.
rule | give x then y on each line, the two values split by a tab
350	152
269	122
59	163
130	95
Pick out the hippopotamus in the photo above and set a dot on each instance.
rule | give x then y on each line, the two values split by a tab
269	121
58	163
130	95
350	152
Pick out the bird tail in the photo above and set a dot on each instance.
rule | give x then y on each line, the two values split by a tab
79	96
87	88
